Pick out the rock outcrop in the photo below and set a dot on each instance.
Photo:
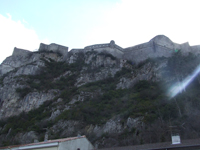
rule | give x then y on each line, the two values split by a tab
23	62
159	46
66	88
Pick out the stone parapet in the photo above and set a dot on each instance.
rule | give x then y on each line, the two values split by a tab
63	50
139	46
105	45
97	46
21	52
159	46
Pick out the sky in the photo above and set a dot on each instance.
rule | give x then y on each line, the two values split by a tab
79	23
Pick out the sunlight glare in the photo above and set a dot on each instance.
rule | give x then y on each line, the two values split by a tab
180	86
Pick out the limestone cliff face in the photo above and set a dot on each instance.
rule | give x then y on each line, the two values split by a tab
22	63
66	88
98	67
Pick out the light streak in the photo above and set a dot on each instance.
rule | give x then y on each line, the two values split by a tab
180	86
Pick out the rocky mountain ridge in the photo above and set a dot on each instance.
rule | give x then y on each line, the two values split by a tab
113	95
159	46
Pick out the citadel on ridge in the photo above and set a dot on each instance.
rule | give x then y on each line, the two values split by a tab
159	46
102	90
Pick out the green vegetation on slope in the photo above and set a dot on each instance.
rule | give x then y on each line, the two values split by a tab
140	100
146	100
45	79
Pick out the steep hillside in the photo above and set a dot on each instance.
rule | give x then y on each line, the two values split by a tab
111	100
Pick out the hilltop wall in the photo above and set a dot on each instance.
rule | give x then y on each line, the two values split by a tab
106	45
63	50
110	48
159	46
21	52
147	50
96	46
138	47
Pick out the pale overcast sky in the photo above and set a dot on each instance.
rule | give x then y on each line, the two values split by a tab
78	23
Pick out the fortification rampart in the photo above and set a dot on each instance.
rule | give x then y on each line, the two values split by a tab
160	40
110	48
159	46
96	46
138	47
63	50
106	45
21	52
147	50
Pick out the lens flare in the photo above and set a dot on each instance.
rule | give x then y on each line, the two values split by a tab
180	86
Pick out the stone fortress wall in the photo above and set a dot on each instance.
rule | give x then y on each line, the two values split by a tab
63	50
110	48
111	45
159	46
21	52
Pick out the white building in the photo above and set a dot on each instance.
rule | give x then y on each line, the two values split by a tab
72	143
